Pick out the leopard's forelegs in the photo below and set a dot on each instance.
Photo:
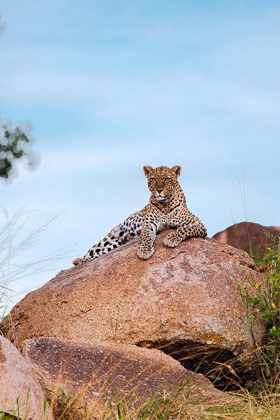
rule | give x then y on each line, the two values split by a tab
152	223
191	230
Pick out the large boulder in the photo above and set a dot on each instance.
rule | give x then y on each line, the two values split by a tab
184	301
251	237
100	376
21	394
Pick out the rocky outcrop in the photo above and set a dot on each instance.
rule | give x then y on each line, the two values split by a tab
21	394
101	375
184	301
251	237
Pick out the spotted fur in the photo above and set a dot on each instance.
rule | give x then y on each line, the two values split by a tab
166	209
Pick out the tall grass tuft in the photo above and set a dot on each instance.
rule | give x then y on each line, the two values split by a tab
13	244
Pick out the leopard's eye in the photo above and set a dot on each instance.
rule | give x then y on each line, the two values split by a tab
167	179
153	179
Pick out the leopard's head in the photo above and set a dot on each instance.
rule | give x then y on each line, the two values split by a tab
162	181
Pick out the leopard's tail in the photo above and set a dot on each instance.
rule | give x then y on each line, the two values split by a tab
115	238
118	236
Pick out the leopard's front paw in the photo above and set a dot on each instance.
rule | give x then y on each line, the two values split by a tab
144	253
171	240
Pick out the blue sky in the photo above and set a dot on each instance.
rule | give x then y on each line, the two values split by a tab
110	86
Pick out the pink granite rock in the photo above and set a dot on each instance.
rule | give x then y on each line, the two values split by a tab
20	391
101	375
183	300
251	237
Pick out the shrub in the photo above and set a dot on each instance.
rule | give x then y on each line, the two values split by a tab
265	302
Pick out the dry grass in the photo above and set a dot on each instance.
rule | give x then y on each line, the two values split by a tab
172	406
15	239
169	406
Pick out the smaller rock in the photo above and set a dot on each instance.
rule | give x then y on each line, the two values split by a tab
101	374
21	394
251	237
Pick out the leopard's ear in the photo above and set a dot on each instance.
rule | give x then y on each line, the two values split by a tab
147	170
177	170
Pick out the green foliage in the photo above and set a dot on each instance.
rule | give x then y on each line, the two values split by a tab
14	145
66	397
265	303
5	416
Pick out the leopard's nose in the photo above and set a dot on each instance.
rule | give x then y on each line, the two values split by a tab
159	191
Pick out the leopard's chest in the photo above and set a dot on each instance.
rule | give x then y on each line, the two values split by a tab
171	218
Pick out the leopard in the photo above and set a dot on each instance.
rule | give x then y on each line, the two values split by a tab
166	209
